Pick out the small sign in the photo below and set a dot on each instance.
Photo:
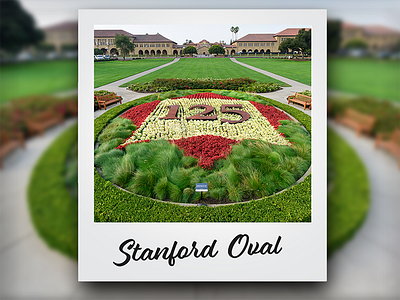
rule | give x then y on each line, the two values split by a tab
201	187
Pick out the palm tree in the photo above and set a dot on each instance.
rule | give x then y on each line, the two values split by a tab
232	30
236	30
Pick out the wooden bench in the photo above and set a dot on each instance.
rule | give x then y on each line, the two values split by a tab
359	121
9	142
43	121
390	142
108	99
300	99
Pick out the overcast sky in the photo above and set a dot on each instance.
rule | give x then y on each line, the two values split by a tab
377	12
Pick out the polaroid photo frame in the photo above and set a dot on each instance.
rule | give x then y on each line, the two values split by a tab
168	250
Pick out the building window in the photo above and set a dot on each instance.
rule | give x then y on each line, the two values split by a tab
255	44
158	45
267	44
163	45
244	44
167	45
240	44
272	44
250	44
146	45
152	45
262	44
95	42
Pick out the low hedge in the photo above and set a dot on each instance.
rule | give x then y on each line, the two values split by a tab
115	205
387	114
53	210
348	200
165	84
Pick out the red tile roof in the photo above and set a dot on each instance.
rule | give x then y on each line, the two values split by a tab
69	25
290	32
110	33
151	38
379	30
257	37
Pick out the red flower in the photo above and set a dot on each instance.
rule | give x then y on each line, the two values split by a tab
271	113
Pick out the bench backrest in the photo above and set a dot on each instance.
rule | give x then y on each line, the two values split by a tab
107	97
4	137
360	117
395	137
302	97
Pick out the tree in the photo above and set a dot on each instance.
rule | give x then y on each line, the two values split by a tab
334	28
123	43
216	49
356	44
286	45
98	51
187	42
302	41
232	30
17	27
236	31
190	50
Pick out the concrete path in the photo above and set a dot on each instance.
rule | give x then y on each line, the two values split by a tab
282	94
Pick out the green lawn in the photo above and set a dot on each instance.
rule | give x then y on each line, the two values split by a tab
109	71
296	70
366	77
36	78
218	68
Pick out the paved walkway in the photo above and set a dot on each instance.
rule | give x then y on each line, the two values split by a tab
282	94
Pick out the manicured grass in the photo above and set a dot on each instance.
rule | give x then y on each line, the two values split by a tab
53	209
296	70
217	68
109	71
348	199
37	78
365	77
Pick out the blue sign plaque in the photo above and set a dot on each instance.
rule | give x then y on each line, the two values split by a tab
201	187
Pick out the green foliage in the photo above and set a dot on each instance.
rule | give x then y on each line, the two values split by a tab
54	212
98	51
114	205
348	200
216	49
286	45
190	50
387	114
17	27
356	44
124	44
306	92
164	84
334	28
260	87
302	41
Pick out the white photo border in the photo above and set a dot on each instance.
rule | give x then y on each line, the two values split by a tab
303	256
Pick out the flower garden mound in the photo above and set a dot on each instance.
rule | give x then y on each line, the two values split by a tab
244	150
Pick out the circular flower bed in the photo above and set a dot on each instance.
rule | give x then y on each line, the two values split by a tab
243	149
